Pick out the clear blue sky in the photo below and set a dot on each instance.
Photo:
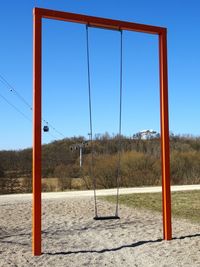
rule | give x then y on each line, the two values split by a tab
65	98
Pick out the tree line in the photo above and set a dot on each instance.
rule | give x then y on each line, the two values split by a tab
140	163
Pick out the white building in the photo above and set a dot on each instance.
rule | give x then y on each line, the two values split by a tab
146	134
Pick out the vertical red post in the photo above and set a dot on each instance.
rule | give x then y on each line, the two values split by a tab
165	156
36	221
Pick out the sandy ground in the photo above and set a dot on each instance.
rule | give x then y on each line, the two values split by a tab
72	238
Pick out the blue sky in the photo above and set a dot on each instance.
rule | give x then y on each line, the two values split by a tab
65	97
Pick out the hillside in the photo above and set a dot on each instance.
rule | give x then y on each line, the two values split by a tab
140	163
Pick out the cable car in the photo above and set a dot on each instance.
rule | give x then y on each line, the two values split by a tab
46	128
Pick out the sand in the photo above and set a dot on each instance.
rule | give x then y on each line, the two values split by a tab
72	238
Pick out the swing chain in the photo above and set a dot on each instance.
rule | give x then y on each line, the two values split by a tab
90	114
91	128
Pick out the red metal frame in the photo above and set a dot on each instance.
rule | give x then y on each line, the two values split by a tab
38	14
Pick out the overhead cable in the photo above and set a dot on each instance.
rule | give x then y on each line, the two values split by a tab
11	88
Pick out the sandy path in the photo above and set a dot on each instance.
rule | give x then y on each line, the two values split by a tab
72	238
101	192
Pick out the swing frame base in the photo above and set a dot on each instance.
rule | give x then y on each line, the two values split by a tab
103	218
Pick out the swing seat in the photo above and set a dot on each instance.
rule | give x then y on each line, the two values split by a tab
103	218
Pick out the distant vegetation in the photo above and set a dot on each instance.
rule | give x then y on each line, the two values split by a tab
140	164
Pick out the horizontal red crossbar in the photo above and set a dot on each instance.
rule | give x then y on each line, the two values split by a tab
97	22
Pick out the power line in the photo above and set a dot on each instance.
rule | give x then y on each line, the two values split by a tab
50	125
4	81
13	106
20	112
12	89
52	135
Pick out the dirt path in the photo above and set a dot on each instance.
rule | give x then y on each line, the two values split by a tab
103	192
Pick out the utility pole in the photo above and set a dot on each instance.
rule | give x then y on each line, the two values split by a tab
79	146
81	151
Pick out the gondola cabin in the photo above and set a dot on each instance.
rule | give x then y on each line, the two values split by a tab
46	128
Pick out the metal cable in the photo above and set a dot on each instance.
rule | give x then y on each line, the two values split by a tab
20	112
13	90
17	109
91	130
50	125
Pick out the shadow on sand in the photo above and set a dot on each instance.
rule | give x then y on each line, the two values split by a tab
133	245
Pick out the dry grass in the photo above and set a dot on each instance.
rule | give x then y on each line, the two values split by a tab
185	205
53	184
50	184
